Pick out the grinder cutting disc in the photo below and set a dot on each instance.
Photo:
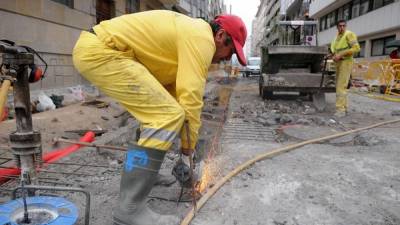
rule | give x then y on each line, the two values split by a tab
182	173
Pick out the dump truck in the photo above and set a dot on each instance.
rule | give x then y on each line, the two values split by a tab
298	65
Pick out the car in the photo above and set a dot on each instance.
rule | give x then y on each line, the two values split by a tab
253	67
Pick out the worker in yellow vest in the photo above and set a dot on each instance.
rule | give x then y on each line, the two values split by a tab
343	47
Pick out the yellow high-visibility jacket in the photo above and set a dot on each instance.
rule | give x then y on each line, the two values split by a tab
175	48
345	45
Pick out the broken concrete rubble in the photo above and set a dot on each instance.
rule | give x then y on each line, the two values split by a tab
281	112
368	139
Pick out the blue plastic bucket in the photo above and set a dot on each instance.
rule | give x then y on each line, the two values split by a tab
44	210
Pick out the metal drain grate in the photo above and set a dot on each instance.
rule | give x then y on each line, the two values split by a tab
239	130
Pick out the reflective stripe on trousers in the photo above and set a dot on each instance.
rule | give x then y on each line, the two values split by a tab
343	71
119	76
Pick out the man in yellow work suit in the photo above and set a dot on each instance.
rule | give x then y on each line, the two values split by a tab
343	47
155	64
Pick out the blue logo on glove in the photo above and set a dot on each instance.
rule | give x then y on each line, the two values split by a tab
135	158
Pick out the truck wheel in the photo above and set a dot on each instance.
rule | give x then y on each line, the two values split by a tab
316	67
267	94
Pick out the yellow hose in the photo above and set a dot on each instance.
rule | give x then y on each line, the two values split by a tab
3	94
188	218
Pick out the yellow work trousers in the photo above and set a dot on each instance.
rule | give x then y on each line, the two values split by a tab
343	71
119	76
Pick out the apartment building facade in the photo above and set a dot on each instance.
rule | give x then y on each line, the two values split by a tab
265	28
216	7
258	29
376	22
192	8
52	27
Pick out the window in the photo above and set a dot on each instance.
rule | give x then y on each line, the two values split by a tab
364	7
201	13
69	3
355	11
321	20
334	18
322	23
346	12
132	6
377	4
387	2
351	10
328	21
387	51
254	61
331	19
361	53
378	47
340	13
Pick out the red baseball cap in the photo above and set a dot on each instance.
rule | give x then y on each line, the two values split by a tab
235	27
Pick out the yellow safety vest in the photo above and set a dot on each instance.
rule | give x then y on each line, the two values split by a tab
343	44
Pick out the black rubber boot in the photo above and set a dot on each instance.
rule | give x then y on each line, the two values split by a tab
138	177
